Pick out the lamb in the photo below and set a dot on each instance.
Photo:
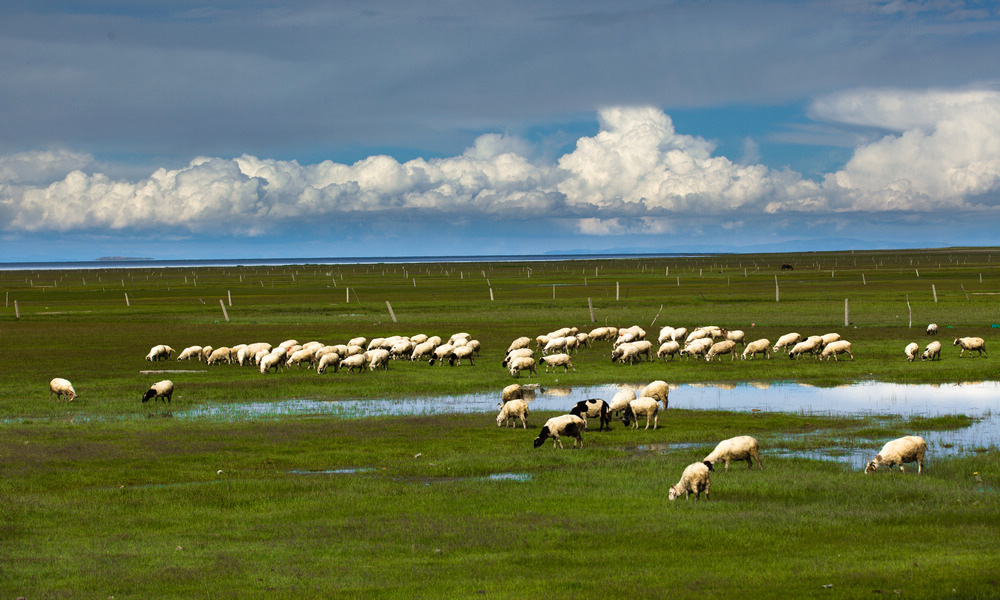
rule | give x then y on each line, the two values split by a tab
720	348
160	389
189	353
462	352
756	347
620	401
639	407
355	361
522	363
742	447
788	339
219	355
695	478
972	344
159	352
62	387
670	349
835	348
594	407
932	352
811	346
513	391
556	427
331	358
657	390
932	329
911	448
558	360
516	353
521	342
514	409
911	351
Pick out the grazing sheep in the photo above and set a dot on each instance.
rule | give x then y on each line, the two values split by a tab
972	344
697	347
699	333
932	329
743	447
657	390
903	450
670	349
160	389
556	345
516	353
514	409
421	350
355	361
420	338
301	356
558	360
620	401
626	352
159	352
788	339
829	338
810	346
272	360
522	363
583	339
720	348
285	345
441	353
331	358
639	407
521	342
513	391
932	352
402	349
475	345
189	353
206	351
736	335
603	334
556	427
911	351
61	387
358	341
218	355
637	332
643	348
695	478
666	334
461	352
679	333
377	359
454	338
835	348
594	407
756	347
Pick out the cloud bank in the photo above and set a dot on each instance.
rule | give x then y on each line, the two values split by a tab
637	175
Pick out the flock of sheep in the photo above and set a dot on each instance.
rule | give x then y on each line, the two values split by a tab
933	349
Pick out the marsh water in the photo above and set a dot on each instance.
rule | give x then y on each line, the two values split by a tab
980	400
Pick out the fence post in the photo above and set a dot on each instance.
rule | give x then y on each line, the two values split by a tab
391	314
224	313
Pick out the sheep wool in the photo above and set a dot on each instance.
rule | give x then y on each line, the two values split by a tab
558	360
743	447
514	409
556	427
911	351
642	406
594	407
756	347
911	448
835	348
621	400
160	389
523	363
788	339
972	344
932	351
657	390
62	387
696	479
720	348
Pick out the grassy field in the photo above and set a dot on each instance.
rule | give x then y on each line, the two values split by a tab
107	497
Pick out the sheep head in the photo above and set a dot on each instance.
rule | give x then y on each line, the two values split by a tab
874	464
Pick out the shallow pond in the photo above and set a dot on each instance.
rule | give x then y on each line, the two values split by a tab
980	400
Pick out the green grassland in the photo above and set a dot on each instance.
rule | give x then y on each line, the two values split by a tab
107	497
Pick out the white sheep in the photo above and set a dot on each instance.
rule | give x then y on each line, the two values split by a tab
555	345
355	361
829	338
932	329
835	348
932	351
301	356
441	353
756	347
911	351
461	352
522	363
911	448
811	346
642	406
160	389
513	409
159	352
679	334
626	352
377	359
695	478
620	401
420	338
218	355
670	348
331	358
736	335
521	342
285	345
657	390
696	348
456	336
272	360
558	360
206	351
421	350
516	353
513	391
666	334
742	447
401	349
556	427
720	348
189	353
972	344
62	387
583	339
358	341
788	339
603	334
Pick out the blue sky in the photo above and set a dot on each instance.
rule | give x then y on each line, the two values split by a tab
272	129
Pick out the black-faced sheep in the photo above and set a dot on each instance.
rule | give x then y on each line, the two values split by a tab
62	387
932	351
461	352
160	389
513	409
972	344
594	407
639	407
695	478
911	448
441	353
742	447
932	329
556	427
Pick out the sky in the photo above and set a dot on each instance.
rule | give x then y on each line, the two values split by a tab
266	129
